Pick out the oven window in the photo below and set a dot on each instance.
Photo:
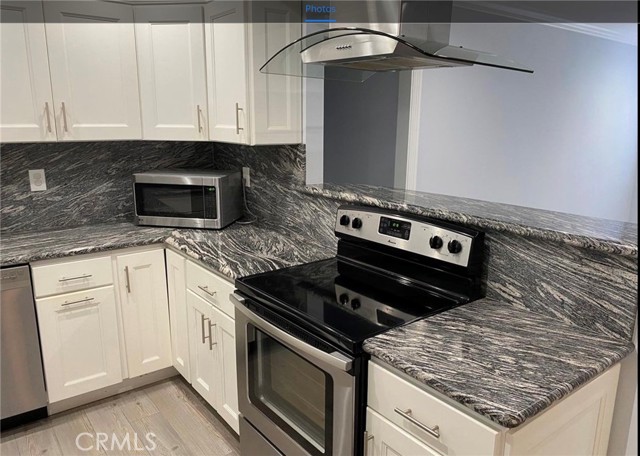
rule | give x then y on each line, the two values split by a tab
295	394
163	200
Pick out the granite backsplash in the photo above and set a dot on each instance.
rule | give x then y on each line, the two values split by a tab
581	286
87	182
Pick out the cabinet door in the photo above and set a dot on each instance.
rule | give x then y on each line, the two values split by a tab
177	288
26	102
145	311
79	338
202	352
171	63
227	393
276	100
384	438
93	70
227	72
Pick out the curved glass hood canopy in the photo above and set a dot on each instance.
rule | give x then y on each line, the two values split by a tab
356	53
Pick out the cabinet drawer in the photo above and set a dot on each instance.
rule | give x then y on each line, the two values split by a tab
72	276
460	434
209	286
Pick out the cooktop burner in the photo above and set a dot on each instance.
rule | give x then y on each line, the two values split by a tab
342	302
390	269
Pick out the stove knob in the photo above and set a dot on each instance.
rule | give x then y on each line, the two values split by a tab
343	298
454	246
344	220
355	303
435	242
357	223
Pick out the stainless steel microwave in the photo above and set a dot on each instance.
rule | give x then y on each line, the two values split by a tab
187	198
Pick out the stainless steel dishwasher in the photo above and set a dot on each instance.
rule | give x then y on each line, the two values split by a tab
22	387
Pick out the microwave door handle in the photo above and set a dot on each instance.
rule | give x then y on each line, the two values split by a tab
336	359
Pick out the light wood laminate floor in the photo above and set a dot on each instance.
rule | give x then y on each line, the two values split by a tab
182	422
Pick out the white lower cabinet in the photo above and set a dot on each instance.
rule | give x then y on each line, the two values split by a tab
383	438
177	291
79	338
209	332
407	418
201	347
102	318
145	311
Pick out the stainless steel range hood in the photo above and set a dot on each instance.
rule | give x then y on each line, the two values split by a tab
389	42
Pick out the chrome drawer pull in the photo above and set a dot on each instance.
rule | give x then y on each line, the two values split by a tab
206	290
65	279
434	431
67	303
367	438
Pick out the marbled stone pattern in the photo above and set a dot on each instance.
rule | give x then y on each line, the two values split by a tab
235	251
244	250
277	172
88	183
592	233
502	362
584	287
21	248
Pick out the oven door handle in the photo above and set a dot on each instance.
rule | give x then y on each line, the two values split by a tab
335	359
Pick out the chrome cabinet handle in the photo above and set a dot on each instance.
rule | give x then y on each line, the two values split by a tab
206	290
198	111
67	303
406	414
64	118
46	110
202	320
127	282
66	279
211	342
238	109
367	439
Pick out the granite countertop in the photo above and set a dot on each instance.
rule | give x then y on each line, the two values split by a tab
503	362
21	248
235	251
593	233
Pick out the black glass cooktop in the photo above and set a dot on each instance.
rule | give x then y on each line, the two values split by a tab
343	303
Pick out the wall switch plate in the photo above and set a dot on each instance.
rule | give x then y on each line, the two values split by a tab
246	176
37	180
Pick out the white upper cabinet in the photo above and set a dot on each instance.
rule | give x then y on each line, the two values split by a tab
171	64
94	77
246	106
26	102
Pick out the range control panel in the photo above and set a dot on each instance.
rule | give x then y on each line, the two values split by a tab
406	233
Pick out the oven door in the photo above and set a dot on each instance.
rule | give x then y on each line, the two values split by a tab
299	394
181	205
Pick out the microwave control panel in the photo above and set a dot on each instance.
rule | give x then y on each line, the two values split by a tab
405	233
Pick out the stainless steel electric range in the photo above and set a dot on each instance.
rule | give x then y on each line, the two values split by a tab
300	330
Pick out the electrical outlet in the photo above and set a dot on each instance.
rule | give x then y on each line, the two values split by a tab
37	180
246	176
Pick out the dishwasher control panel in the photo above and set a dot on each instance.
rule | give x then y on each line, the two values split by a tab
419	235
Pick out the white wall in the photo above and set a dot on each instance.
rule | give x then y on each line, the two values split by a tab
564	138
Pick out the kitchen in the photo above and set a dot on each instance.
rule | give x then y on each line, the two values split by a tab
555	292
